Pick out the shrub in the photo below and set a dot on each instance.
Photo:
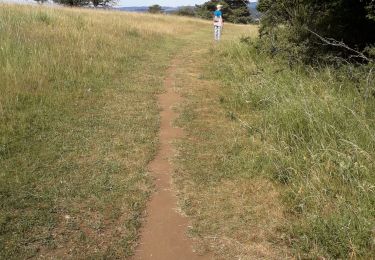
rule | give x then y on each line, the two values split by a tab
234	11
186	11
349	21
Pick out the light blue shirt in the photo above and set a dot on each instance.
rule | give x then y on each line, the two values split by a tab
218	13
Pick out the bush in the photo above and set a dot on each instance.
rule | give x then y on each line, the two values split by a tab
349	21
155	9
234	11
186	11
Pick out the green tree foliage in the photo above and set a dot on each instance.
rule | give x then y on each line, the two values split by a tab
72	2
94	3
234	11
206	10
371	10
97	3
288	24
155	9
41	1
185	11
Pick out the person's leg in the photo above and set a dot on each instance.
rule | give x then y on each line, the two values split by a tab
219	28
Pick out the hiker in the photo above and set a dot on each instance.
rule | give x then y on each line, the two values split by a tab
218	22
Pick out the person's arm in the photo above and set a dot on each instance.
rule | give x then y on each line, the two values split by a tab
222	19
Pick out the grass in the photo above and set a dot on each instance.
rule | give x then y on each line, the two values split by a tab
310	132
78	125
277	162
233	214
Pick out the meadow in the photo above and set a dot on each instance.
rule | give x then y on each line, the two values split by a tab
277	161
316	128
78	126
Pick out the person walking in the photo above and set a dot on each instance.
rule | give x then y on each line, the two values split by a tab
218	22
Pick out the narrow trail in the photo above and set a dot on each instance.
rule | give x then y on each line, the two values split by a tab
163	235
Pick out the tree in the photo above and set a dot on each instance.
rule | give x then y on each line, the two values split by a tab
234	11
185	11
238	11
293	21
41	1
371	10
102	3
206	10
95	3
73	2
155	9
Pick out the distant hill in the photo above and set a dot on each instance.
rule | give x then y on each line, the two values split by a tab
144	9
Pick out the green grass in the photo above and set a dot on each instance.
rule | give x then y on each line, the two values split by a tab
235	211
78	125
276	162
314	136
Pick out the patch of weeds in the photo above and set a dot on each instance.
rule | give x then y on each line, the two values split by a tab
43	17
132	32
318	143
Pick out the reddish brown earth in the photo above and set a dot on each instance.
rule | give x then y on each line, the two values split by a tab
163	236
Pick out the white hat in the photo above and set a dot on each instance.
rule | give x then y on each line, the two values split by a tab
219	6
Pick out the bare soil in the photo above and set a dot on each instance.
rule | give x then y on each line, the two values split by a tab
164	234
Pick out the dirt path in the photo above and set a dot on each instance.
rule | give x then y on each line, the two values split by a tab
164	233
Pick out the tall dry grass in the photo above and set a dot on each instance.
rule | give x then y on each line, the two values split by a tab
78	125
311	131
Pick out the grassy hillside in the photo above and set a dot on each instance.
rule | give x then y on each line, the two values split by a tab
277	162
281	157
78	125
